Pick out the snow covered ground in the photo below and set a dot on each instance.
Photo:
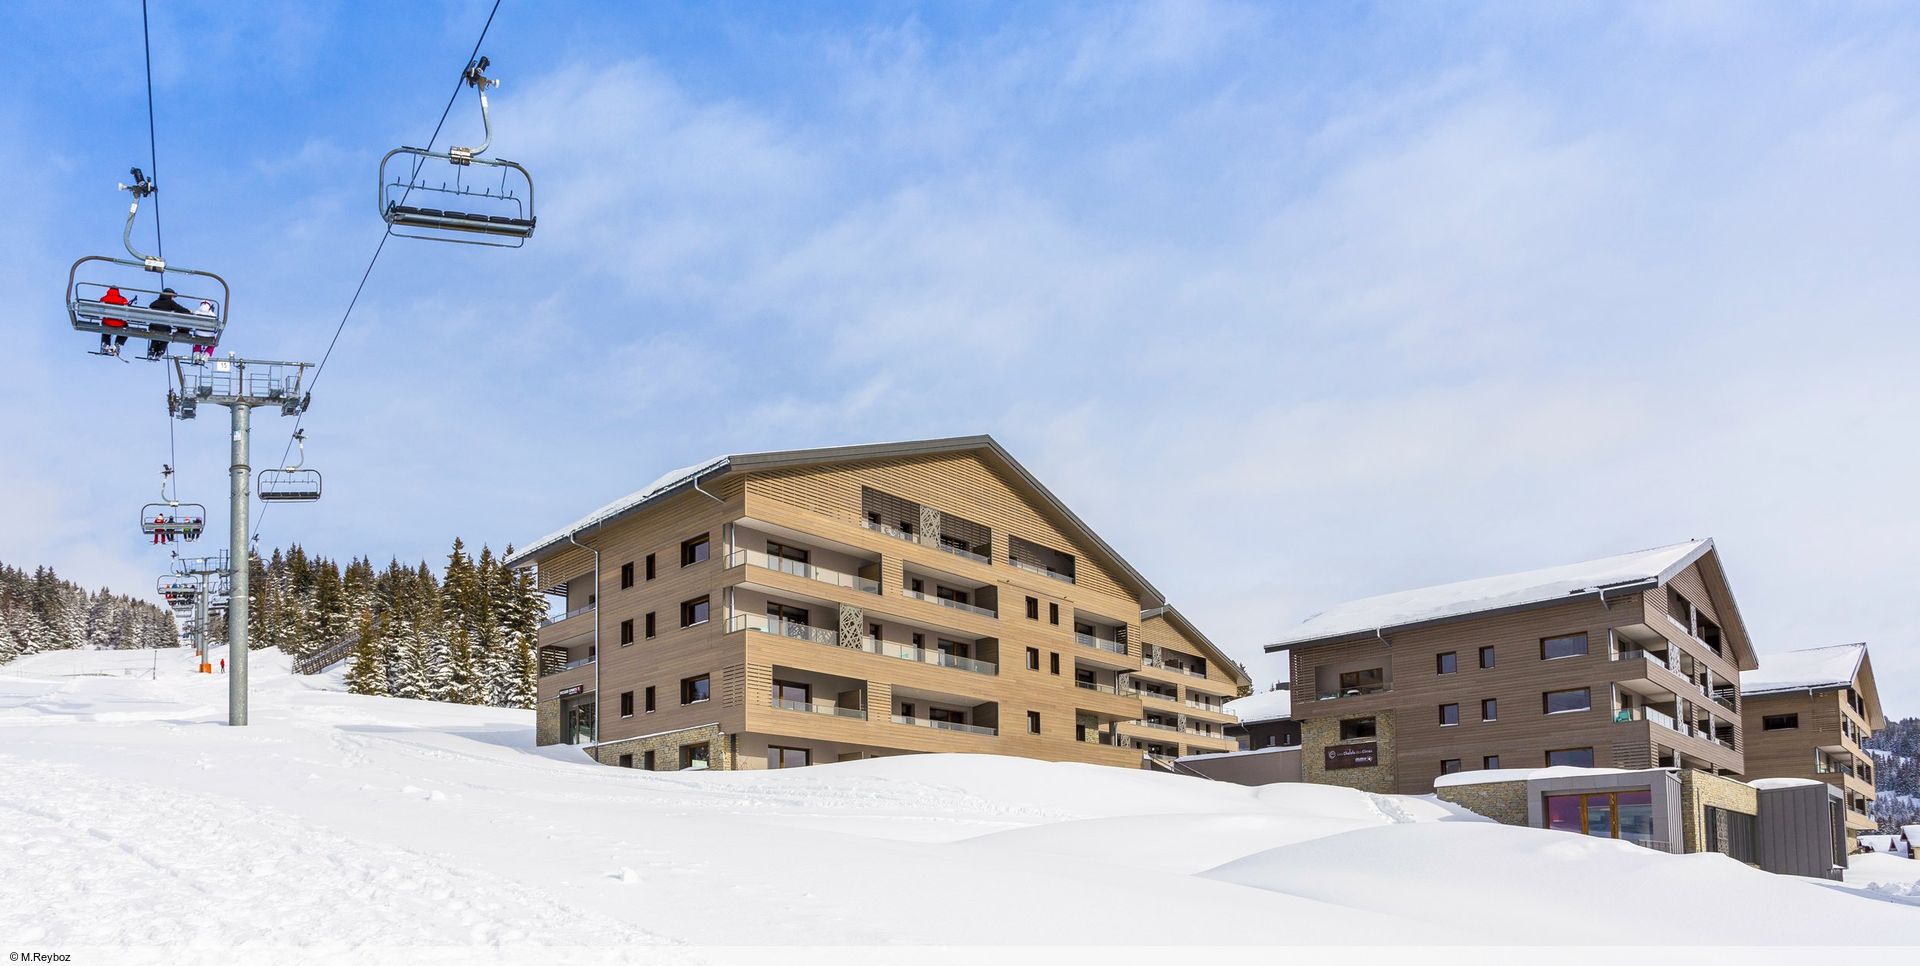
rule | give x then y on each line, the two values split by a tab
132	818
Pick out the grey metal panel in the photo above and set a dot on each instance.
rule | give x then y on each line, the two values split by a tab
1258	768
1795	830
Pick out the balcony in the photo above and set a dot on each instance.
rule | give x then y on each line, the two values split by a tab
1042	570
1088	640
1204	706
944	725
820	635
1106	688
887	531
1094	737
964	553
1359	692
944	602
783	628
1163	664
552	619
1038	559
799	569
1158	696
1144	723
812	708
922	655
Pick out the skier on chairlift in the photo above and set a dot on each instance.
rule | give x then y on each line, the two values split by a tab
157	348
205	310
109	344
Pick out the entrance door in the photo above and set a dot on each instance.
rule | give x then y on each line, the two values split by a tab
578	727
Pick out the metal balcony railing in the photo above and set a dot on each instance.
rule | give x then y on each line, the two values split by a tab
1157	696
944	602
1144	723
1041	569
936	658
893	532
965	553
1107	688
1088	640
798	568
943	725
782	628
576	612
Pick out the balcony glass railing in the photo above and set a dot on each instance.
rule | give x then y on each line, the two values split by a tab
799	569
576	612
827	709
1354	692
1100	738
1159	696
965	553
577	662
943	725
783	628
944	602
1106	688
1041	569
893	532
1144	723
1088	640
1204	706
936	658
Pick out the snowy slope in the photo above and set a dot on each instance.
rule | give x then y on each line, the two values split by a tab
135	818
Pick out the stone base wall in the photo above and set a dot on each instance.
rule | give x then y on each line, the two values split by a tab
546	722
1699	789
666	749
1504	802
1317	734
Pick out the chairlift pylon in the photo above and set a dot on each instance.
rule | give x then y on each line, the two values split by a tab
457	204
291	484
106	303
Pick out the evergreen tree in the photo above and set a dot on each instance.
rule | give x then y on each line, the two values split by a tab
367	662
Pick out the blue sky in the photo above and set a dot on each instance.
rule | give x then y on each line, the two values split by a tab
1294	303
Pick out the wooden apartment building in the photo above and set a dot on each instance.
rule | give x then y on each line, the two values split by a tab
1808	714
791	608
1631	661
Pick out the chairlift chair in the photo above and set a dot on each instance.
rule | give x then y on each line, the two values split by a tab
291	484
101	302
178	592
172	520
460	200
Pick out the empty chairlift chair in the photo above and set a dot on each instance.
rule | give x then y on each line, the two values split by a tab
105	296
457	195
291	484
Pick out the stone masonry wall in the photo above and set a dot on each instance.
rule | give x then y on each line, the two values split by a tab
1319	733
546	722
1504	802
1699	789
666	749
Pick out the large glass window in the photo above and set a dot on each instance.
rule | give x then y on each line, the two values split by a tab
1363	682
1356	728
778	757
1779	722
693	756
695	550
1574	699
695	611
1446	662
787	694
1449	714
1625	815
1569	645
1571	757
694	690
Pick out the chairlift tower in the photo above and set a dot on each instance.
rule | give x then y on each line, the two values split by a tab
212	575
241	385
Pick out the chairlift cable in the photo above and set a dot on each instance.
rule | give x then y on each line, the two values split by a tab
159	245
259	518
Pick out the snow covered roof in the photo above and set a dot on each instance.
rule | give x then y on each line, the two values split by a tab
1487	776
1533	587
672	482
1766	784
1242	753
1265	706
1813	668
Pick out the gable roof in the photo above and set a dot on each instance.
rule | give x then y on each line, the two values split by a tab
1180	623
1826	668
1374	616
692	476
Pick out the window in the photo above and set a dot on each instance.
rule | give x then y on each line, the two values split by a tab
778	757
1033	722
695	611
626	580
646	760
1033	608
649	623
1449	765
1570	645
693	756
1449	715
626	761
1053	613
1731	834
1489	709
647	697
1490	762
1033	659
1446	662
919	586
780	551
1053	661
626	632
1574	757
626	704
1363	682
906	709
796	697
695	690
1354	728
942	714
948	593
695	550
1486	656
1572	699
790	615
649	566
1779	722
1608	815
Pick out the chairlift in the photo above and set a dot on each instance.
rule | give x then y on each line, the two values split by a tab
179	592
170	519
291	484
102	301
460	199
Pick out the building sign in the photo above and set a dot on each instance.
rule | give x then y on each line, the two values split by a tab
570	692
1363	755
